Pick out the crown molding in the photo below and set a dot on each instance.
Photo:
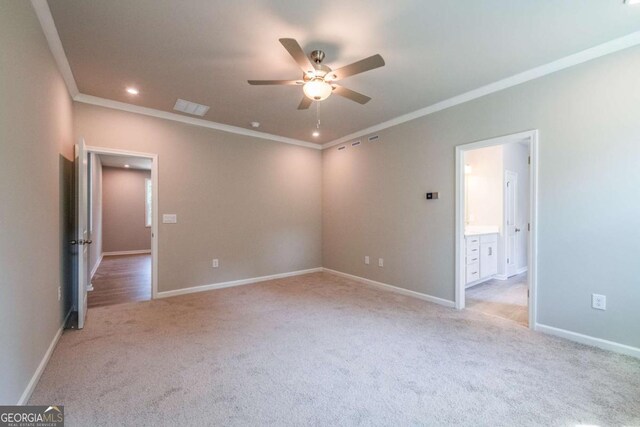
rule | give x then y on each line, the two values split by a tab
50	31
603	49
43	13
123	106
55	45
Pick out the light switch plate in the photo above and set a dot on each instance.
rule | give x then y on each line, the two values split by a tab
380	262
366	259
169	218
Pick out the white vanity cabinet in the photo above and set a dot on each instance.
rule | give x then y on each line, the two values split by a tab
481	252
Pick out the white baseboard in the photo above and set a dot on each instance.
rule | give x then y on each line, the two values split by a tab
500	277
43	364
392	288
116	253
522	270
589	340
202	288
95	267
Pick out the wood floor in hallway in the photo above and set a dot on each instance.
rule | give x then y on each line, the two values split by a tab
122	278
502	298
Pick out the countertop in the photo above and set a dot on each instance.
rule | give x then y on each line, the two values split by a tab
475	230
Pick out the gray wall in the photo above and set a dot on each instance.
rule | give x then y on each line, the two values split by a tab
589	197
95	249
123	209
36	148
253	204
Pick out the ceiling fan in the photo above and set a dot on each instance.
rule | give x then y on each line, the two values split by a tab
318	80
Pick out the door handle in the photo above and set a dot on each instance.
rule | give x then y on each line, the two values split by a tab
517	230
88	242
73	242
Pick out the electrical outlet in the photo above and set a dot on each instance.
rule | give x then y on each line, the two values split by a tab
215	264
380	262
599	302
366	259
59	293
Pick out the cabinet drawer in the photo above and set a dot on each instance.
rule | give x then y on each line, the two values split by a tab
473	272
473	258
472	240
473	250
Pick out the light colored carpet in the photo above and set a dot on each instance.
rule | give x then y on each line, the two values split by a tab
322	350
503	298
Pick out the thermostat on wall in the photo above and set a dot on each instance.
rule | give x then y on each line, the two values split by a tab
431	196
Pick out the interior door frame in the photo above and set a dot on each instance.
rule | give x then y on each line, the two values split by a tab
154	204
81	238
507	273
532	255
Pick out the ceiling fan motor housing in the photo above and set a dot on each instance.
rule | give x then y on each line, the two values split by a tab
317	56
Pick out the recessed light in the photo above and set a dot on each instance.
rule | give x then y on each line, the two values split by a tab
315	133
127	166
632	1
132	91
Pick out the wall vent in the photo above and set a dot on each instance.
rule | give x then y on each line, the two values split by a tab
355	144
342	147
191	107
373	138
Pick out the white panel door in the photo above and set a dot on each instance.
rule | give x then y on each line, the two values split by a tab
82	232
511	230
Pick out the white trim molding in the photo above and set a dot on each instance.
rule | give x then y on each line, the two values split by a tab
118	253
603	49
589	340
50	31
28	391
391	288
55	45
123	106
232	283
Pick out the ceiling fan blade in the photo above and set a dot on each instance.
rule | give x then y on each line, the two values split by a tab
275	82
305	103
361	66
351	94
294	49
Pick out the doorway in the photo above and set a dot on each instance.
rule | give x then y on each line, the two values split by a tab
119	219
496	183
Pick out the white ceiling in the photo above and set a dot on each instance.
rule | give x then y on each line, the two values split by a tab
205	51
120	161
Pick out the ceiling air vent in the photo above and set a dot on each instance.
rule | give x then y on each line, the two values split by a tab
373	138
355	144
190	107
341	147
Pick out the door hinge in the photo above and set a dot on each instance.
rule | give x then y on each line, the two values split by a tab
528	226
527	293
529	160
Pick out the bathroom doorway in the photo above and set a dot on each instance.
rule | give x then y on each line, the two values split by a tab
495	227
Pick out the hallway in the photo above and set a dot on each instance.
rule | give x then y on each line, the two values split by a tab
122	278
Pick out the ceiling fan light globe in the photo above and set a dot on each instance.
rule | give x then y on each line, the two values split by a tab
317	89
